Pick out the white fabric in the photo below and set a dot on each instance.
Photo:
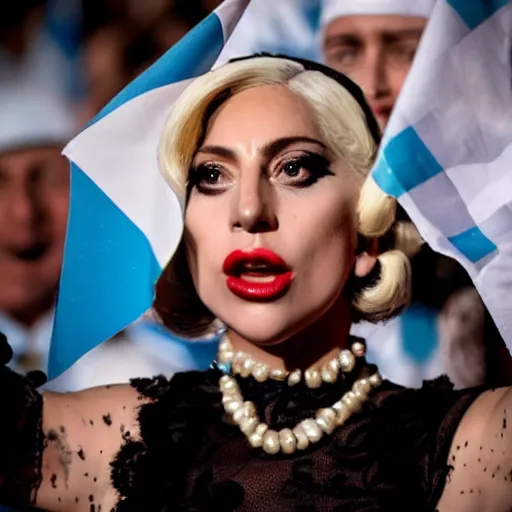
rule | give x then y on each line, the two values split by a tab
126	167
116	167
333	9
31	115
283	26
140	351
457	102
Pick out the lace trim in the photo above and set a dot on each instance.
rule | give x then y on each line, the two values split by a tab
21	440
180	464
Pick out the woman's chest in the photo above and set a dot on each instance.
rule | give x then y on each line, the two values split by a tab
338	474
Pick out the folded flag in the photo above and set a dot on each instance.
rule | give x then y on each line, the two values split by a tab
125	222
447	151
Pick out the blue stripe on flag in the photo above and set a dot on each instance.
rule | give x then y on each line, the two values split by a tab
473	244
418	326
475	12
192	56
405	163
107	273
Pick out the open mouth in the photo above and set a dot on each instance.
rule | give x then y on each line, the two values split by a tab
258	272
257	275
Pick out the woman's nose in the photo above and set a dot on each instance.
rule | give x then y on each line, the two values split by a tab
254	210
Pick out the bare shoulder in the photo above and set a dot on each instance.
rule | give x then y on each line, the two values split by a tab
480	478
83	433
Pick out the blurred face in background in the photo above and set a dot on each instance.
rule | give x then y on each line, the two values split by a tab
34	200
376	51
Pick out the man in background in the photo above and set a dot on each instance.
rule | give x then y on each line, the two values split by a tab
374	42
34	199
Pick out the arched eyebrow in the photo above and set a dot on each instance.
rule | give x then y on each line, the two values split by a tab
269	150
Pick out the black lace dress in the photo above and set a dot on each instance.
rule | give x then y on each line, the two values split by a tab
391	456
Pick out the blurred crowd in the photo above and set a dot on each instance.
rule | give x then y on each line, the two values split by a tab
88	51
61	61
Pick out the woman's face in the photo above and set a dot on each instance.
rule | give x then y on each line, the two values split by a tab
270	224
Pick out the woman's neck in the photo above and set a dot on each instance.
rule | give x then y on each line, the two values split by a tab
312	346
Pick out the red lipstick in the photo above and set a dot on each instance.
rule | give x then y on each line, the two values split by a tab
257	275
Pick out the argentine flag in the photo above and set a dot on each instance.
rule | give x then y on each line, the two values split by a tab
447	151
125	222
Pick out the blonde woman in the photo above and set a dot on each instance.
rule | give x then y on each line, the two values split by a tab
286	245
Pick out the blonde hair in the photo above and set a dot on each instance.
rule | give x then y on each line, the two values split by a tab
343	129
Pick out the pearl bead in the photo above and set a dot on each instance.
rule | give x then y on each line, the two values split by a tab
294	377
238	361
351	401
328	375
360	396
313	378
358	349
226	381
248	425
245	415
260	372
225	356
247	410
342	413
334	365
239	415
255	440
232	394
375	380
250	408
261	429
232	406
247	366
347	360
224	345
287	441
278	374
336	406
362	386
326	419
302	438
271	443
312	430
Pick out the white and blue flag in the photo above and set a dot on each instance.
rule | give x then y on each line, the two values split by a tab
446	155
447	151
125	222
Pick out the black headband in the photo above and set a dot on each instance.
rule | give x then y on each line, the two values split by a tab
354	90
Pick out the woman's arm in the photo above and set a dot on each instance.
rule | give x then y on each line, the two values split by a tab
480	478
56	449
82	433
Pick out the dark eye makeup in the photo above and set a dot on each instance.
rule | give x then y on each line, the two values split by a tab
301	171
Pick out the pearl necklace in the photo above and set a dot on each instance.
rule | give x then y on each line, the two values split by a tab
308	431
245	365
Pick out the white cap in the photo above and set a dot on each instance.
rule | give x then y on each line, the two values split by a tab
31	117
333	9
